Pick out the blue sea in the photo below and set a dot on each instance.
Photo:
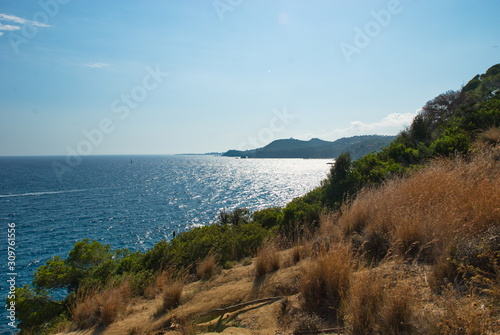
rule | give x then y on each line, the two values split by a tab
130	201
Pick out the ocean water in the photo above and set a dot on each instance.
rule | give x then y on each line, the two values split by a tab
132	201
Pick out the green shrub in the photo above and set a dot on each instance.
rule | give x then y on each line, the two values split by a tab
269	217
300	216
35	309
451	142
236	217
340	183
85	258
227	242
156	258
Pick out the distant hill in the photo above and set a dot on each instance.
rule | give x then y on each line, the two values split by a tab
358	146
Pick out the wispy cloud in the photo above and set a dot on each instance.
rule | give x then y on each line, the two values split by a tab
8	27
97	65
389	125
391	121
20	20
19	23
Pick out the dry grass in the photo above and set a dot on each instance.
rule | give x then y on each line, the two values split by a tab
397	312
268	260
470	264
325	281
297	254
421	215
364	303
162	279
465	316
446	215
85	313
378	305
489	138
207	267
294	319
100	308
171	296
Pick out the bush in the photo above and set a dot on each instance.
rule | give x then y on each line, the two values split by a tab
227	242
451	142
86	258
302	215
375	246
155	259
35	309
340	184
269	217
237	217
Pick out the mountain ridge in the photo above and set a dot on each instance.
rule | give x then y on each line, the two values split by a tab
358	146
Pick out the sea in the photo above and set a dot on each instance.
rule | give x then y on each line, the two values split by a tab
49	203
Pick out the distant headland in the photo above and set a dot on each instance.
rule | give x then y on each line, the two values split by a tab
358	146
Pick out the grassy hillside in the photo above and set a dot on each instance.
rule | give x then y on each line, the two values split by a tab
405	240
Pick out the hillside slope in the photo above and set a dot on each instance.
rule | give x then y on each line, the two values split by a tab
412	268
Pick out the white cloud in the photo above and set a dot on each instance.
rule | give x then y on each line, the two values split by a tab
20	20
8	27
389	125
1	33
97	65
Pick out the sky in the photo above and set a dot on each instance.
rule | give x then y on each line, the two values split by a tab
194	76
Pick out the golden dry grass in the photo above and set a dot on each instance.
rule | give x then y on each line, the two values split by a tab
397	312
325	281
489	138
207	267
378	305
446	215
162	279
364	303
268	260
171	296
423	214
100	308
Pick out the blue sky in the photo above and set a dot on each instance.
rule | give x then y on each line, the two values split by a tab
164	77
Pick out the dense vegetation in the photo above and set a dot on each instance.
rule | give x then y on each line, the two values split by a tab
446	126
